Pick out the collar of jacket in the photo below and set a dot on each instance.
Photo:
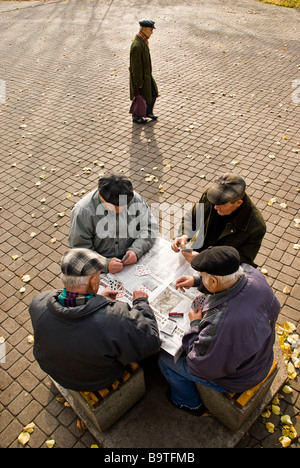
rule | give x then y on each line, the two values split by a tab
78	312
216	300
143	43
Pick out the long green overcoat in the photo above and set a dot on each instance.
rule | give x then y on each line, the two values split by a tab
141	70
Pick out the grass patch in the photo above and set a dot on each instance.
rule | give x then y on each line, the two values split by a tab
284	3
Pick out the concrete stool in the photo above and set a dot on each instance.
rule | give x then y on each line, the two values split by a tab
234	409
104	407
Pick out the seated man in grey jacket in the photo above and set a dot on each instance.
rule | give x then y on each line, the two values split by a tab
229	346
114	221
84	340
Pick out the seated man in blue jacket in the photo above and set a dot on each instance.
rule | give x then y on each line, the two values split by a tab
229	346
84	340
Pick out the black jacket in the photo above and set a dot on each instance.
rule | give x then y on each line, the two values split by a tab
86	348
244	230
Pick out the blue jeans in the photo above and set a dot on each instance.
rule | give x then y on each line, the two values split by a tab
183	389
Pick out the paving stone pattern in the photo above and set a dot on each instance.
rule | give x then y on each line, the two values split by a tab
225	71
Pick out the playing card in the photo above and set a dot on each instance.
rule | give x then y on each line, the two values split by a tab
149	284
115	285
198	302
142	270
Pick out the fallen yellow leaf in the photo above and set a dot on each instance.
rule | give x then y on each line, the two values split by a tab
285	419
289	431
287	389
29	428
285	441
272	201
25	278
275	409
50	443
270	427
266	413
24	438
291	371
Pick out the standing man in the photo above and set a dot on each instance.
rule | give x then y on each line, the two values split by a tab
141	79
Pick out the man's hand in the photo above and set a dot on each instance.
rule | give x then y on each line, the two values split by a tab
131	259
195	315
137	293
109	293
185	282
189	255
115	265
179	242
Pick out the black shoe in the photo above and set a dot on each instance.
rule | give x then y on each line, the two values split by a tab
196	412
153	117
140	120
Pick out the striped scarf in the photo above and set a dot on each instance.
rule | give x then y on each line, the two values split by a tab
71	299
143	37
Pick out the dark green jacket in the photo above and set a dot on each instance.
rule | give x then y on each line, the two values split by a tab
245	231
141	70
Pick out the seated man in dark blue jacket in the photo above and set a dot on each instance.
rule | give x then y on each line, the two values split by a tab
229	346
84	340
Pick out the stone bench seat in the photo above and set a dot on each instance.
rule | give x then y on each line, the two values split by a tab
233	409
103	407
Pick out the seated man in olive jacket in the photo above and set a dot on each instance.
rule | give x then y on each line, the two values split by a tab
224	215
83	339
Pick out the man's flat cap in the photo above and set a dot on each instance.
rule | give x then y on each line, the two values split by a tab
227	188
82	262
218	260
147	24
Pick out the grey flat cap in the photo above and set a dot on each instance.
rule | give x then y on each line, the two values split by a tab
227	188
82	262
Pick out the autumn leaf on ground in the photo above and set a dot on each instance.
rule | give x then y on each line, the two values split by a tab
24	437
289	431
25	278
285	441
29	428
50	443
270	427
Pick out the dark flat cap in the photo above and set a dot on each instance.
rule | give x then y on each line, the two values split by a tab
218	260
116	189
227	188
147	24
82	262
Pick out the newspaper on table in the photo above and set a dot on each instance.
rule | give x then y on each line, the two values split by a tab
156	273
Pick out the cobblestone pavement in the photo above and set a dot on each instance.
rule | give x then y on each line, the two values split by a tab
225	70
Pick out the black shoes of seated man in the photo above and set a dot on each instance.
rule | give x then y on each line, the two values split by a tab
195	412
